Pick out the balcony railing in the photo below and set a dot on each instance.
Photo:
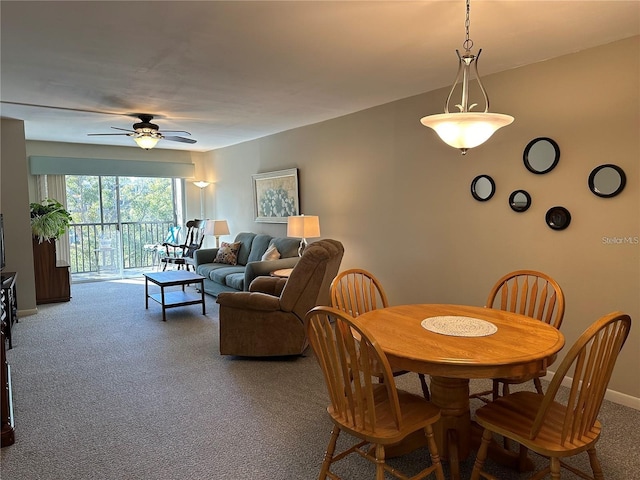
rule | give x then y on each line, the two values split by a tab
94	245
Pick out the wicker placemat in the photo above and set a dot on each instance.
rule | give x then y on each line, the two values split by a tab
456	326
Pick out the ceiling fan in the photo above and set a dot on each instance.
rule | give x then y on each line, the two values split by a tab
147	134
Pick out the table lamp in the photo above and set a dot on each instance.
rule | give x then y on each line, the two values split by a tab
303	226
216	228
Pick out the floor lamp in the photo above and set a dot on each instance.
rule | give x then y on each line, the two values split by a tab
201	184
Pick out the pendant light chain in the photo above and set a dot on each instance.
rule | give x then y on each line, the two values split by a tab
468	43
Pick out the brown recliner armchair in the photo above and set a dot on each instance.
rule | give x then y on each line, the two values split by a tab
269	319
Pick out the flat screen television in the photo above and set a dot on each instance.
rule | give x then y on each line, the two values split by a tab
2	257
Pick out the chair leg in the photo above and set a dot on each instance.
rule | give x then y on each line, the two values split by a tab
328	455
538	385
496	390
555	468
433	451
522	458
425	387
482	455
379	462
595	464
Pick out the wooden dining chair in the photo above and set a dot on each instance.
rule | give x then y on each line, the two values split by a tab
552	429
531	293
357	291
378	414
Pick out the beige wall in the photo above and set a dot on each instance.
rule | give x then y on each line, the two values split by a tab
399	199
14	205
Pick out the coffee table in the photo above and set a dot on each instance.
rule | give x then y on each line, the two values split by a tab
173	299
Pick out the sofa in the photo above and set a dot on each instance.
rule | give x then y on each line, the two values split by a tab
270	319
225	277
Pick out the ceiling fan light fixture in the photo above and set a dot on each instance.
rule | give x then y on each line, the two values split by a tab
146	140
466	129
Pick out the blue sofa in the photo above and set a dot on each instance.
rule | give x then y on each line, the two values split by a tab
220	277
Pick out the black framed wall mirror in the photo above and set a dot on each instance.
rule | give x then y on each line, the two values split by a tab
558	218
607	180
483	187
541	155
519	200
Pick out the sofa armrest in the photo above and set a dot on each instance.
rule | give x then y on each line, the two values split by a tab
205	255
269	285
249	301
264	267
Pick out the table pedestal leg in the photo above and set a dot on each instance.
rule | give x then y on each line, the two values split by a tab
453	431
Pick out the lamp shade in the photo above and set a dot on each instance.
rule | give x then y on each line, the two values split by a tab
303	226
465	130
216	228
201	184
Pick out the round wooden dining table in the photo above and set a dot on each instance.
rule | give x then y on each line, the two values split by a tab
509	345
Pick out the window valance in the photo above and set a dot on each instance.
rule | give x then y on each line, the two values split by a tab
39	165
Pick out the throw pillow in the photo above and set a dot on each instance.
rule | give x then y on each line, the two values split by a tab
272	253
228	253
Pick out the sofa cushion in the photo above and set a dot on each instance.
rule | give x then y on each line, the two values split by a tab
219	275
258	247
272	253
207	269
235	280
246	238
288	247
228	253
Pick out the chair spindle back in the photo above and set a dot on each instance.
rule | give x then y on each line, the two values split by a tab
592	358
529	293
349	366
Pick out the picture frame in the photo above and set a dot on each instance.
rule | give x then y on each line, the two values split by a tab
276	195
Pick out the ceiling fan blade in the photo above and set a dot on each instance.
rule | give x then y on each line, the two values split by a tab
179	139
176	131
94	134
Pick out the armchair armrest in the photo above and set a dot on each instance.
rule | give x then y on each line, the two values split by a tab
205	255
264	267
269	285
249	301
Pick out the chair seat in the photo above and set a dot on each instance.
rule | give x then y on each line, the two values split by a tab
514	415
416	412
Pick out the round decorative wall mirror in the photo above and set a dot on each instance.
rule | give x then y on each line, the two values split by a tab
541	155
607	180
519	200
558	218
483	187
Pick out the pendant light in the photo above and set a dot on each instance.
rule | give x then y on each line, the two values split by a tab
466	129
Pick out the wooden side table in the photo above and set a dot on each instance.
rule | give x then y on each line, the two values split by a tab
282	273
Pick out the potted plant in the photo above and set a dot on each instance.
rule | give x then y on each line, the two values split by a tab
49	220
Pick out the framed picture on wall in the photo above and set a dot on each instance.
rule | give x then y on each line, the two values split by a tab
275	195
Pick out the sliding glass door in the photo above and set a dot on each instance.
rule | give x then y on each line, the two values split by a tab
118	223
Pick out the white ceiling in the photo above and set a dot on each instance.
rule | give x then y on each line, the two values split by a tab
231	71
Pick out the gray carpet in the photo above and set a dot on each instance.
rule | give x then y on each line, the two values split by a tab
103	389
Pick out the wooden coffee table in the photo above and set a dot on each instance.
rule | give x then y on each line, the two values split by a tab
173	299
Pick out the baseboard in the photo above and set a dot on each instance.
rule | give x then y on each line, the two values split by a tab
611	395
26	313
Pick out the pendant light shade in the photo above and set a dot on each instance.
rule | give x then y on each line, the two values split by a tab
466	129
